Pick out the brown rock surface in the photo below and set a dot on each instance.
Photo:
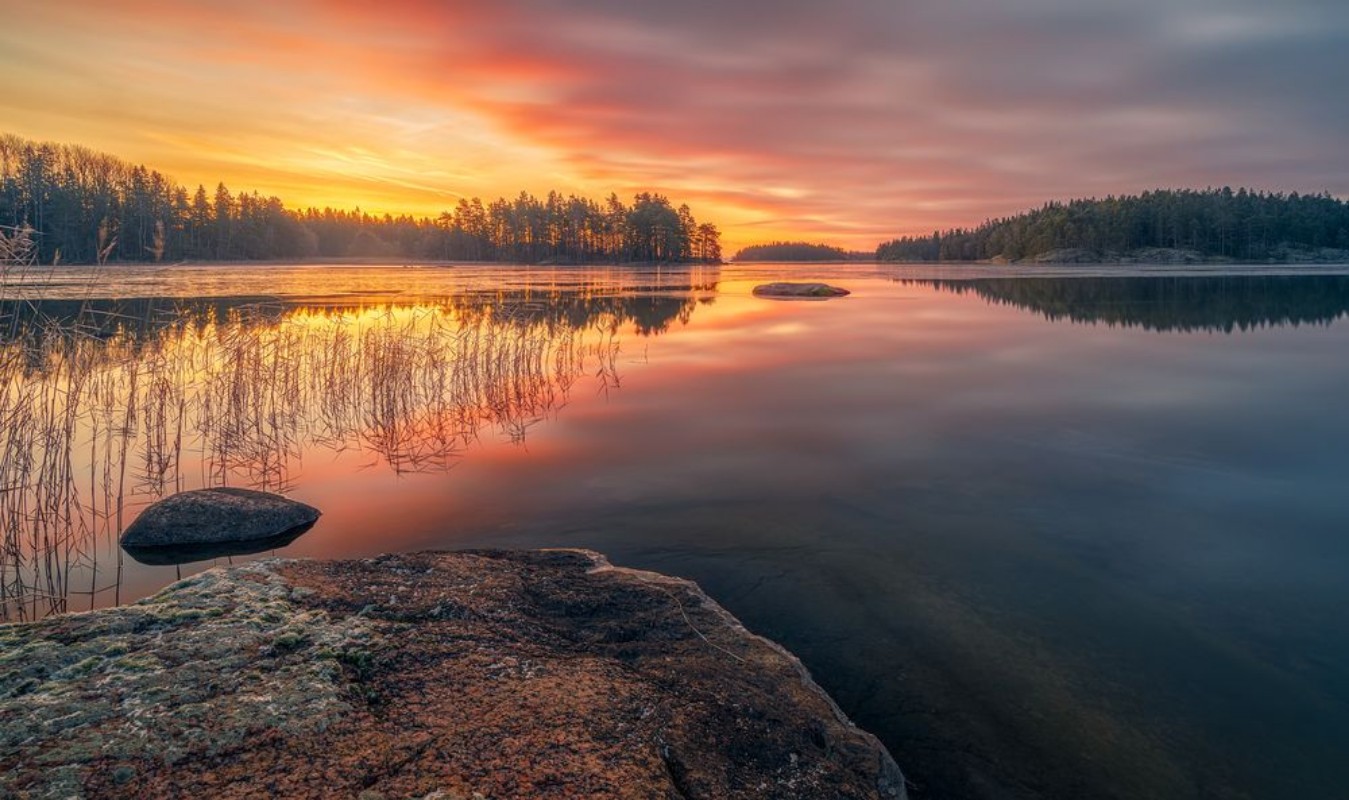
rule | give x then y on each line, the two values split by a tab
448	675
799	291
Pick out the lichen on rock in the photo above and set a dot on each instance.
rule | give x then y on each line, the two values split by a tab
493	673
199	671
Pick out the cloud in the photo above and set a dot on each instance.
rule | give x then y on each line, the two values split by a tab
915	111
850	121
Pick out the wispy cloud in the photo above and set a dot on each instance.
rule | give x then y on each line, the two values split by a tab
849	121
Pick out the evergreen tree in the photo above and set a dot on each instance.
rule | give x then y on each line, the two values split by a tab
85	207
1241	225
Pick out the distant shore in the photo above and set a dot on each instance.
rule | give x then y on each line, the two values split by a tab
364	261
1151	256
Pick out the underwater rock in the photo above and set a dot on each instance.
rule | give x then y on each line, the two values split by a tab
479	673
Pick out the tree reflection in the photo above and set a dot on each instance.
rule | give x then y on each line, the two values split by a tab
1180	303
104	404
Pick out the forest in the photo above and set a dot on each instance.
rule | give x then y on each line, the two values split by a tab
1217	224
1219	304
792	251
86	207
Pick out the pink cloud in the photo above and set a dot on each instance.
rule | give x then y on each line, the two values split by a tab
851	122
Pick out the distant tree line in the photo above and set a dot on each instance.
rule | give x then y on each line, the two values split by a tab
1173	303
792	251
1242	225
86	207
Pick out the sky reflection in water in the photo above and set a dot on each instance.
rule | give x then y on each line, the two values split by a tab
1046	537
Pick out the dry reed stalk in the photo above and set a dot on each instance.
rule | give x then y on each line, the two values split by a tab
94	422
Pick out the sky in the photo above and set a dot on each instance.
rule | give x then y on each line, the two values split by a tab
848	122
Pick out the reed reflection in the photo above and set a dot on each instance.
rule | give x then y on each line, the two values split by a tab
107	406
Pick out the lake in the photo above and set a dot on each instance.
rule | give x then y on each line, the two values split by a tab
1053	532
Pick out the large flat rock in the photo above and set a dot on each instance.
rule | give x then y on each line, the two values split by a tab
493	674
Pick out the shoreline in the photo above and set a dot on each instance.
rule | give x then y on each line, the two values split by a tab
358	261
505	673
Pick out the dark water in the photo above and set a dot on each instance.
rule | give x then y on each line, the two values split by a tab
1046	536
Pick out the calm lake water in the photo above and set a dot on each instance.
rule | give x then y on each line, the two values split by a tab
1062	534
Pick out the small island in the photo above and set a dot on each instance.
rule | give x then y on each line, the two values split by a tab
797	251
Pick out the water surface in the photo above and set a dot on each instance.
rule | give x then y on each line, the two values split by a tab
1047	536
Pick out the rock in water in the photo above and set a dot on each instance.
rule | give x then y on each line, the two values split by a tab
799	291
529	674
216	517
188	553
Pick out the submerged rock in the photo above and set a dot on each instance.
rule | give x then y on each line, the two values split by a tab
794	291
489	673
220	516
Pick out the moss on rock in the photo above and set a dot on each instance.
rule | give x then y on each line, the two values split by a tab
478	674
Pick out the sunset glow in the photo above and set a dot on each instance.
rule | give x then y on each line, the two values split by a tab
846	123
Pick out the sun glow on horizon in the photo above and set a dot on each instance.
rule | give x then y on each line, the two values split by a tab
848	128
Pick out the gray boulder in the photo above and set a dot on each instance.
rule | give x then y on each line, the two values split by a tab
799	291
218	516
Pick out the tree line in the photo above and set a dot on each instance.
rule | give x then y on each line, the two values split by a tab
1241	225
86	207
792	251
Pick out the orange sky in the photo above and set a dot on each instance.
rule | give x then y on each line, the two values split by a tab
849	122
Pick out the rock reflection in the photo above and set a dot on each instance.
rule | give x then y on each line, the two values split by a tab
1222	304
174	555
106	404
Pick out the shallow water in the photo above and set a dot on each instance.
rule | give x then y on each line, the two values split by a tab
1047	536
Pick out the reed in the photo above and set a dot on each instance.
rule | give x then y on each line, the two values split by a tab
99	419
